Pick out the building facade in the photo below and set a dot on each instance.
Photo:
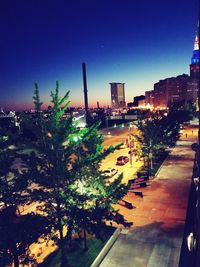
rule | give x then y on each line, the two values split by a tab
138	99
172	91
177	90
117	95
149	97
194	66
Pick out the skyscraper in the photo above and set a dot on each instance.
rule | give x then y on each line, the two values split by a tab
117	95
194	66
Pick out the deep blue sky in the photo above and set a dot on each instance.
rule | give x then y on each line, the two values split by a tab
137	42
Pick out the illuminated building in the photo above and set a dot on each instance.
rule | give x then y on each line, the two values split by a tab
137	100
194	66
117	95
8	120
149	97
177	90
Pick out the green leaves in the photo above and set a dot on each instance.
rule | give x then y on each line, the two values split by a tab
62	174
156	132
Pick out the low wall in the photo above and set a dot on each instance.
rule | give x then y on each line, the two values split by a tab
106	248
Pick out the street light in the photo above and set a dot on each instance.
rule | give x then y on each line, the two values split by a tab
130	127
131	146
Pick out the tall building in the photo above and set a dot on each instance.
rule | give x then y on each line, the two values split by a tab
177	90
194	66
149	97
117	95
174	90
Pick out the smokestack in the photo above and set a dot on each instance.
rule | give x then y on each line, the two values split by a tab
85	87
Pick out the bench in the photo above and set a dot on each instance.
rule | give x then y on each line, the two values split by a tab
138	182
125	204
136	193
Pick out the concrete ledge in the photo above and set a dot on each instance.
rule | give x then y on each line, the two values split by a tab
106	248
170	151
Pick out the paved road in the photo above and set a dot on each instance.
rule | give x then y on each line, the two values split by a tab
159	218
117	136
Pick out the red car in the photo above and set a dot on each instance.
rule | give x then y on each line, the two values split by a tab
122	160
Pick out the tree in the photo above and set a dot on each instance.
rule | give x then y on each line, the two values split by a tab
12	180
63	152
17	233
95	197
170	127
157	131
149	137
49	167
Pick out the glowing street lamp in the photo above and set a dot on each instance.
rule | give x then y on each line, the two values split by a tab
76	138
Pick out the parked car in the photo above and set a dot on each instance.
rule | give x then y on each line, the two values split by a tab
123	146
122	160
110	172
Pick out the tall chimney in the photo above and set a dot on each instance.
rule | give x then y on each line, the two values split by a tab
85	87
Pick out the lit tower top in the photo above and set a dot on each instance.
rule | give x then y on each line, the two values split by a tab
195	56
196	43
194	66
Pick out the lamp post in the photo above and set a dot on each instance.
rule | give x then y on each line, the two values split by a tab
131	153
131	145
149	159
130	127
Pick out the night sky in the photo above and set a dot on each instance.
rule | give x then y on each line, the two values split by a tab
137	42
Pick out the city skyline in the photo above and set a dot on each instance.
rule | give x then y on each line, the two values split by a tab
133	43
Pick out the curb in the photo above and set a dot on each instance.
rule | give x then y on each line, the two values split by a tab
160	167
170	151
106	248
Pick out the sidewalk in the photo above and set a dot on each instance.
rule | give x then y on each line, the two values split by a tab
158	220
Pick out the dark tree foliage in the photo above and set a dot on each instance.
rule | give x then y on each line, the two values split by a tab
71	188
157	131
12	180
17	233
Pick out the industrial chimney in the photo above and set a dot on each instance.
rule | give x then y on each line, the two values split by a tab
85	90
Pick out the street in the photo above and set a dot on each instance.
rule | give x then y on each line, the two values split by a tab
117	136
158	218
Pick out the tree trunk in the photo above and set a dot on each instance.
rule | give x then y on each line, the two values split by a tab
148	165
98	235
69	231
69	237
85	240
64	262
151	162
15	257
